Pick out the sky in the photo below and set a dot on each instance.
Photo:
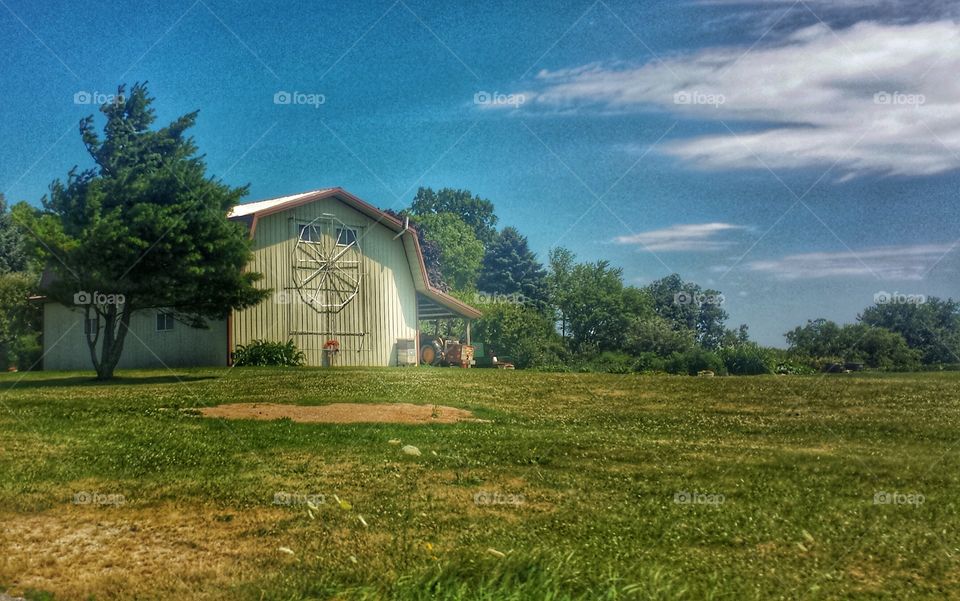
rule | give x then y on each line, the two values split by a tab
800	156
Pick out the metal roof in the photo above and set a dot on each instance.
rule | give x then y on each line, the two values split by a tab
249	208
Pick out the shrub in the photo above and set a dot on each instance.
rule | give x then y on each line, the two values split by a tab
20	321
747	360
827	363
649	363
694	361
519	333
657	335
613	363
794	368
261	353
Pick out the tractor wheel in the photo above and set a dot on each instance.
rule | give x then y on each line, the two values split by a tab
429	354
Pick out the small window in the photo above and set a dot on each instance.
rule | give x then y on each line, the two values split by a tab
91	325
309	233
164	322
346	236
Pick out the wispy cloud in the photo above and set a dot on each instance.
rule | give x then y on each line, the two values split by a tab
932	8
871	98
837	12
887	263
687	237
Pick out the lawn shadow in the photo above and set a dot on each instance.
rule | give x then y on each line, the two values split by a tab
92	381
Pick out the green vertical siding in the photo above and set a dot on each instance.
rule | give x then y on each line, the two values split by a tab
65	345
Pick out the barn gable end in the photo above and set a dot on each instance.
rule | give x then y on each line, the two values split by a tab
370	326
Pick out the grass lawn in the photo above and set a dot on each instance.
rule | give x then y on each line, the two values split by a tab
580	486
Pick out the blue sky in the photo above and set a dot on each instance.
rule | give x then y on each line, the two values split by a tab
800	156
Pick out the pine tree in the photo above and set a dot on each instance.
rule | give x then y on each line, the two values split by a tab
145	229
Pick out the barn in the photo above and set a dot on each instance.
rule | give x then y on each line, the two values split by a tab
345	276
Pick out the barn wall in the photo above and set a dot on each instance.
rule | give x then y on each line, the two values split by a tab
66	345
368	327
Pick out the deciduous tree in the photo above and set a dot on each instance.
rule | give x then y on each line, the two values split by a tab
460	252
476	212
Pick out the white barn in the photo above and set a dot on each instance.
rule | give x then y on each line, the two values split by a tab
341	270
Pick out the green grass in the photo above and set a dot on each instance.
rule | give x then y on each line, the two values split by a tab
597	462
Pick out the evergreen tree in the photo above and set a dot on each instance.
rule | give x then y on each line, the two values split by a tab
143	229
510	267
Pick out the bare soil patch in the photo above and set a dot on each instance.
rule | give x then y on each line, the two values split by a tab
114	553
343	413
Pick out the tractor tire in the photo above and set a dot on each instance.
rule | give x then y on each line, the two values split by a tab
430	354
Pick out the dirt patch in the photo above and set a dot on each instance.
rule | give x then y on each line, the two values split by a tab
344	413
120	553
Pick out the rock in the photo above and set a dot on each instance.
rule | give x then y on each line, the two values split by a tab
411	450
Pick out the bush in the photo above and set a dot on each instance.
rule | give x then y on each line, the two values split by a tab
694	361
261	353
20	321
649	363
748	360
613	363
826	363
28	352
519	333
794	368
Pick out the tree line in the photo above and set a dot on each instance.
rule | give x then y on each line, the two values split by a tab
570	314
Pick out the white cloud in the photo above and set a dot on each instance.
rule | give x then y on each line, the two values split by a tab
886	263
688	237
816	89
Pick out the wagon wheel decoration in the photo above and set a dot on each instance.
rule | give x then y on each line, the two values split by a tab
326	264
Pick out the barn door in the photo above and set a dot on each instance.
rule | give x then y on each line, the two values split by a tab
327	274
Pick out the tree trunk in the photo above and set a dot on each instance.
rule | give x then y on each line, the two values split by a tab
92	335
115	332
